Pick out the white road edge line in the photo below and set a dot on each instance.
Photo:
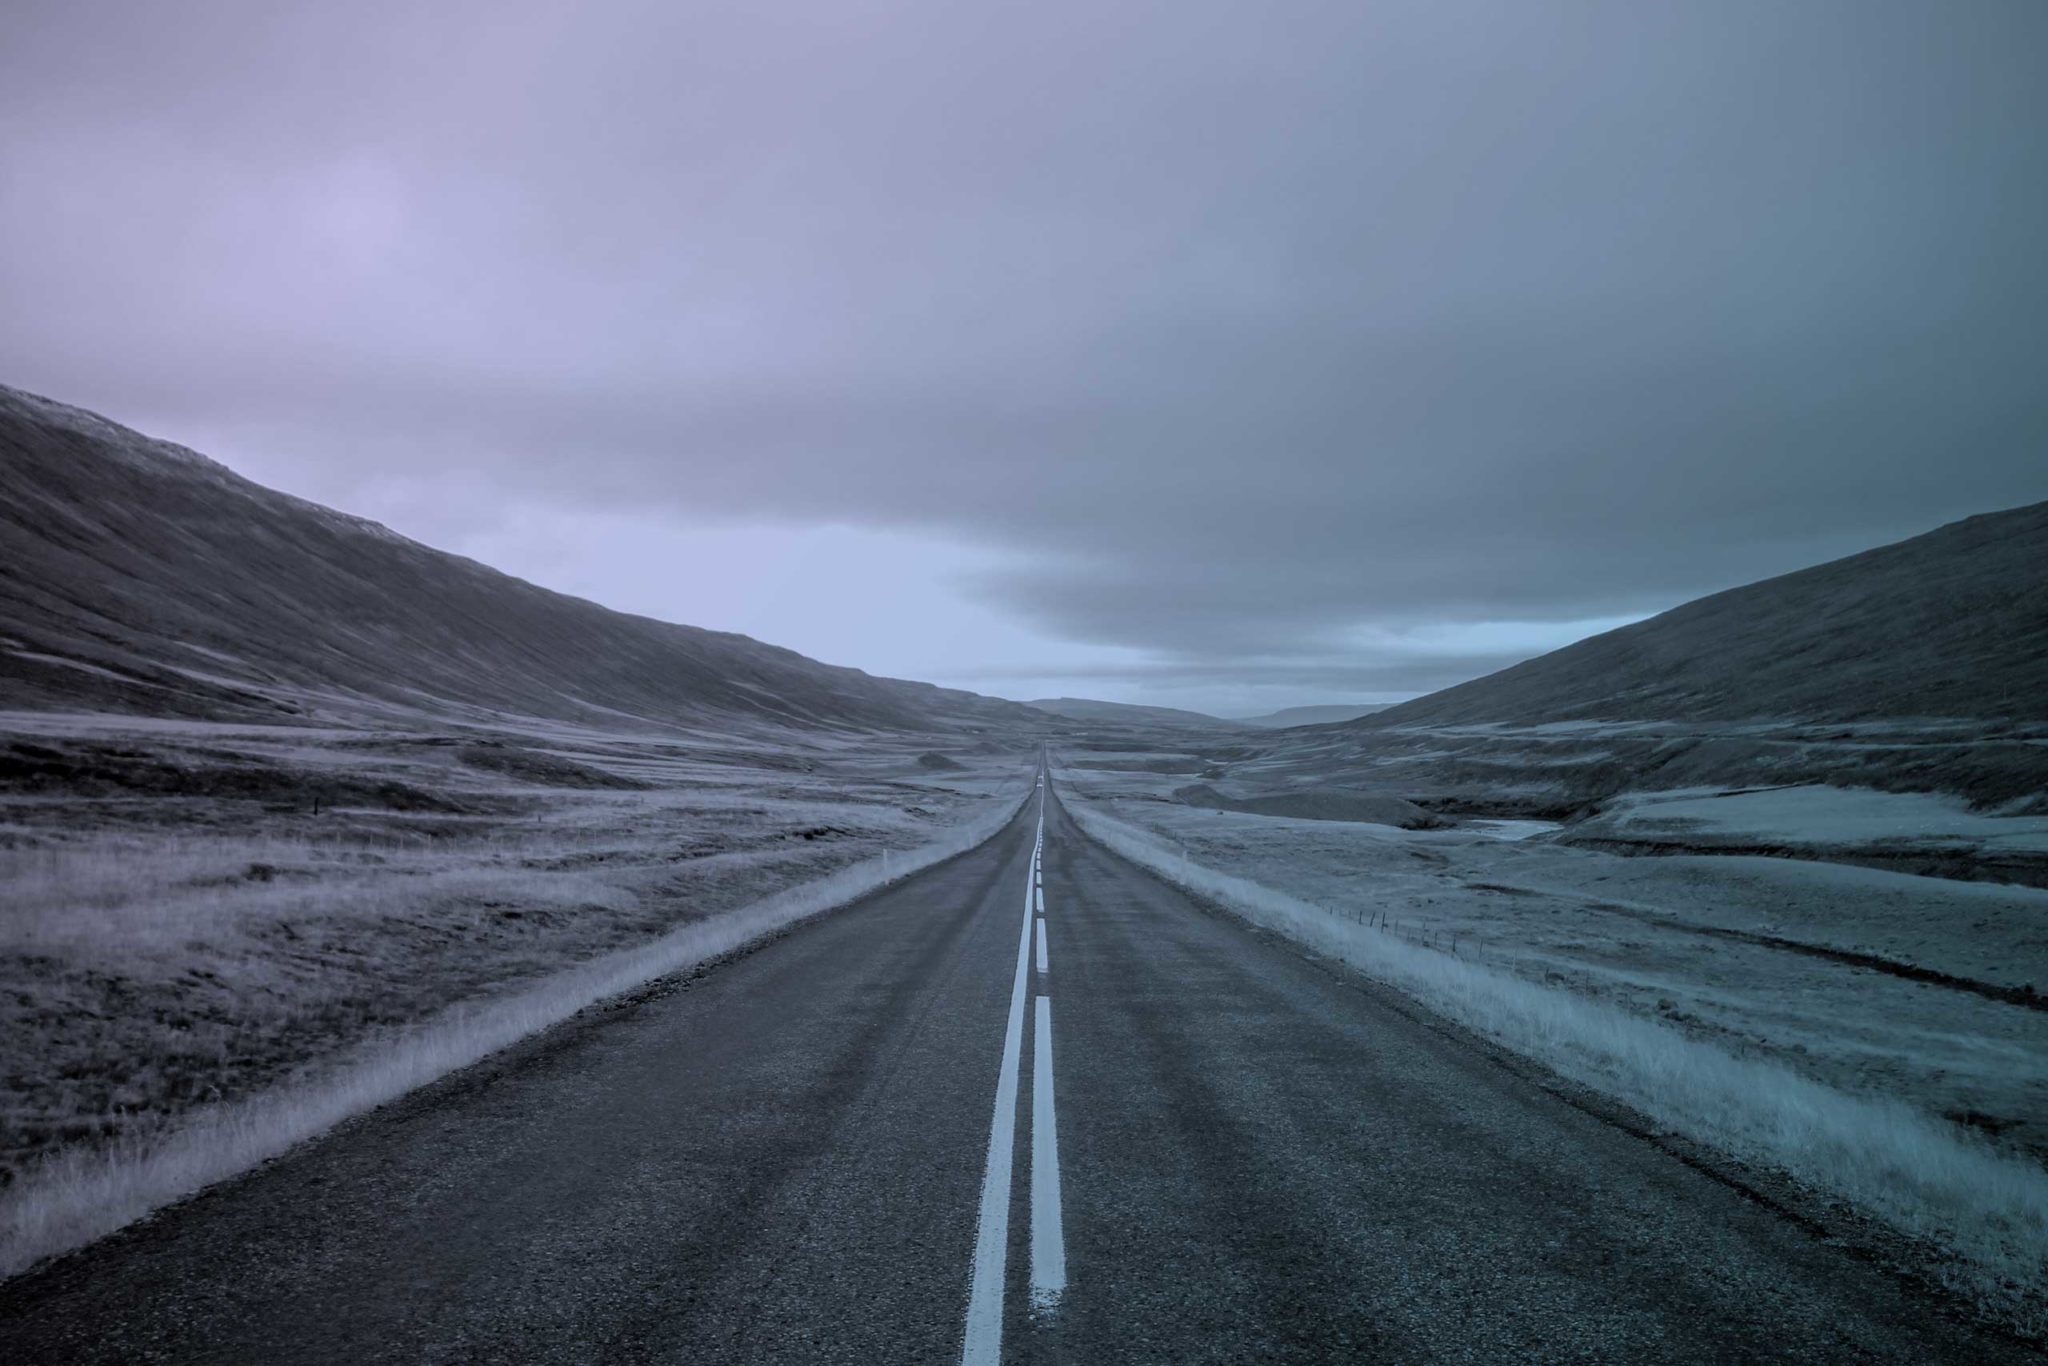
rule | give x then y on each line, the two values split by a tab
983	1345
1048	1235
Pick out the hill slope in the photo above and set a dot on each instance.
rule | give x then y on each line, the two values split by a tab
1127	713
1323	715
138	576
1950	624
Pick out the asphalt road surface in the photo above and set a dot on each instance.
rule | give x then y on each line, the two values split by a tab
939	1127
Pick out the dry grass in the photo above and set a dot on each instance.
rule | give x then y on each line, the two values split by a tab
1983	1213
160	910
153	901
192	927
1768	957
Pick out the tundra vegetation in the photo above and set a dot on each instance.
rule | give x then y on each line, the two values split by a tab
198	916
1876	1037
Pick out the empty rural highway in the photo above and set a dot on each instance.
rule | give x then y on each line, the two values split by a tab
942	1126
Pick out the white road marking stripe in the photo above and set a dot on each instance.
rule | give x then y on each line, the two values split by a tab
984	1338
1048	1237
1041	901
1041	949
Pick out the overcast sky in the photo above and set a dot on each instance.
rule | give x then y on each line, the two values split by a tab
1216	355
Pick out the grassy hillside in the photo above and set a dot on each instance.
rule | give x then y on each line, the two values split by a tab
1127	713
137	576
1328	714
1950	624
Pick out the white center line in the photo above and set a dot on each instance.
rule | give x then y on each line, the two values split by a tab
1041	955
1048	1237
984	1339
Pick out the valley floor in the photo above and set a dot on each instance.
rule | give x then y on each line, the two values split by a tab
795	1158
1872	981
200	913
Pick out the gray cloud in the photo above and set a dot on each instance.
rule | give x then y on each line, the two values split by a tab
1246	332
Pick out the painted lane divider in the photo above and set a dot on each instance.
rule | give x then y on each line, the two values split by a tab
983	1342
983	1339
1048	1236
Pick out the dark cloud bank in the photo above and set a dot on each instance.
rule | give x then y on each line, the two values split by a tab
1285	346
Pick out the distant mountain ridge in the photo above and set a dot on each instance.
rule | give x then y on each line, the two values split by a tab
1952	623
1323	715
1128	713
137	575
